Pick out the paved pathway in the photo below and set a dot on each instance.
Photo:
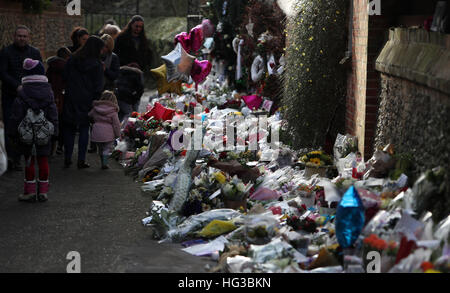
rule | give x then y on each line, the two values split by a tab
97	213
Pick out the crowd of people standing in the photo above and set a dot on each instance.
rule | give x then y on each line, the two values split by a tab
89	87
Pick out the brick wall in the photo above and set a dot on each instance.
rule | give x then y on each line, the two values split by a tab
50	30
355	114
369	35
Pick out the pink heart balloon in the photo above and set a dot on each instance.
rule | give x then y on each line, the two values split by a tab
200	70
208	28
253	101
193	41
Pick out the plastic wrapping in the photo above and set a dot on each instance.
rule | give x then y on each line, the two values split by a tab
161	219
152	185
122	146
260	229
276	249
197	222
412	262
217	244
3	156
265	194
443	229
240	264
345	165
344	145
216	228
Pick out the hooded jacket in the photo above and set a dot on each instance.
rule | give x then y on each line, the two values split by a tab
84	84
106	126
111	71
55	78
37	94
130	85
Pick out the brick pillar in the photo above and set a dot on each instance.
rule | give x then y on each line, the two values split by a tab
369	35
356	97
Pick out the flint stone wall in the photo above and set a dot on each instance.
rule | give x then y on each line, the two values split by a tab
414	112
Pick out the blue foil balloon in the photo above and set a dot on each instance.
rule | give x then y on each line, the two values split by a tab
349	218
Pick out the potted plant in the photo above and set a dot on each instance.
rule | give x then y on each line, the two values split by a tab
316	162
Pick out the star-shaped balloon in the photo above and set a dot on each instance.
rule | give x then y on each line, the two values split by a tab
163	85
179	64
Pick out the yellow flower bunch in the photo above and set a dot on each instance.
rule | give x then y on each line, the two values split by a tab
220	177
315	161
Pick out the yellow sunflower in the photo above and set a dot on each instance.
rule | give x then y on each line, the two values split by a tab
315	161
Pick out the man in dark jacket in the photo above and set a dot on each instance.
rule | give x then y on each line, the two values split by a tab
11	73
132	45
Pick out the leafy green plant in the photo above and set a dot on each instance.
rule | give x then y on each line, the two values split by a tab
34	6
314	79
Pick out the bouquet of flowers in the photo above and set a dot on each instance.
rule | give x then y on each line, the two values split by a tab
242	157
316	159
199	197
235	190
387	250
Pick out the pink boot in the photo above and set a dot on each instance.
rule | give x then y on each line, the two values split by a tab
29	191
43	190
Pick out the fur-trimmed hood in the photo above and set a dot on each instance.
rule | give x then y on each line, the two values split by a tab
105	108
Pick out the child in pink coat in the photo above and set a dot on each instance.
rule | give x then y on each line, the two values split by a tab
106	127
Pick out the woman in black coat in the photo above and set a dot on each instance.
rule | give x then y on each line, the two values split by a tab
132	45
83	74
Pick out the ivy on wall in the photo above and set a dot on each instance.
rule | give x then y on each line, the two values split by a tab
34	6
314	81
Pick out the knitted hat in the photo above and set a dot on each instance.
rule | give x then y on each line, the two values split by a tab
33	67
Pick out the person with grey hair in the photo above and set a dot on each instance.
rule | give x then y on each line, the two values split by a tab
112	30
11	74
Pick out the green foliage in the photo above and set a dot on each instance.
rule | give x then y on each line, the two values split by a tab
314	81
35	6
405	164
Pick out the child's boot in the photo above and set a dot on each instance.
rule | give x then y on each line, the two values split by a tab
105	162
43	191
29	191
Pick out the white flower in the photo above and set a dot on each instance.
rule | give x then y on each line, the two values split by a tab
228	189
240	187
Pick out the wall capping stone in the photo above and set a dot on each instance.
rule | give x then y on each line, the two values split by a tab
419	56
